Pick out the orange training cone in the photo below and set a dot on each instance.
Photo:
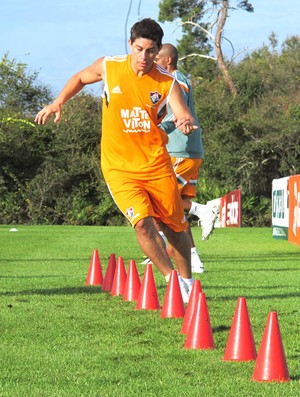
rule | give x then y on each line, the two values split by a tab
240	345
94	276
110	273
132	283
173	305
193	301
271	362
200	334
119	278
148	297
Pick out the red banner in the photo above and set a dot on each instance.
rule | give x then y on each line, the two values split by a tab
231	209
294	209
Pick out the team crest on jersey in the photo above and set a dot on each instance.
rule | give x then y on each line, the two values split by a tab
155	97
130	212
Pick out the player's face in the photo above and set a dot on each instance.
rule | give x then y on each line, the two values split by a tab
143	53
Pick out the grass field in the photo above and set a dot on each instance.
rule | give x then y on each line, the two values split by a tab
62	338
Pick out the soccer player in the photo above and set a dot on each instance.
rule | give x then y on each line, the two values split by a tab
187	155
134	159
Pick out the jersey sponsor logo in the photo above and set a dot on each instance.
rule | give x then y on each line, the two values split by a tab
155	97
135	120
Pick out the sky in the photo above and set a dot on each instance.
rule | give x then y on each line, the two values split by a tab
57	38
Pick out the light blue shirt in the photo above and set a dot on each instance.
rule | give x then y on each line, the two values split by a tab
181	145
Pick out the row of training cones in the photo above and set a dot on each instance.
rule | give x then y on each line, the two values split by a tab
270	361
118	282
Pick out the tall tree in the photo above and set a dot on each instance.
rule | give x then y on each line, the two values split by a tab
209	17
193	41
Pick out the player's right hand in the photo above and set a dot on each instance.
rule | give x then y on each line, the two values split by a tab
47	111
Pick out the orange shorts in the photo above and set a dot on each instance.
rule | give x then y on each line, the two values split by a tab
158	198
187	171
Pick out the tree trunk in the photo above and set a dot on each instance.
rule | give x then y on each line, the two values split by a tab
220	59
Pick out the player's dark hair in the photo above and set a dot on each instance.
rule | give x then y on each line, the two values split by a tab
149	29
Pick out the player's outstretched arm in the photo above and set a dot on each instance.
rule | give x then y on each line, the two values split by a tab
183	118
89	75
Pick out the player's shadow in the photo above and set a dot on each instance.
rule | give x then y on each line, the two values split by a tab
93	289
262	296
277	257
31	260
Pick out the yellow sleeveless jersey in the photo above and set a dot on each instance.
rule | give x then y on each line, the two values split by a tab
132	142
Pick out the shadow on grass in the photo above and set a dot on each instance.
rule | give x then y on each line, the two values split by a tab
42	276
254	287
295	377
12	260
256	297
221	328
57	291
98	290
278	256
256	270
267	288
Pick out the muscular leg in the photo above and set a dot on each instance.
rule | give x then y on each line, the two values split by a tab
189	233
187	206
153	245
197	265
180	250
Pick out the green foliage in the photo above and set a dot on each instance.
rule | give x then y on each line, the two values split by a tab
208	190
49	174
20	91
180	9
256	211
